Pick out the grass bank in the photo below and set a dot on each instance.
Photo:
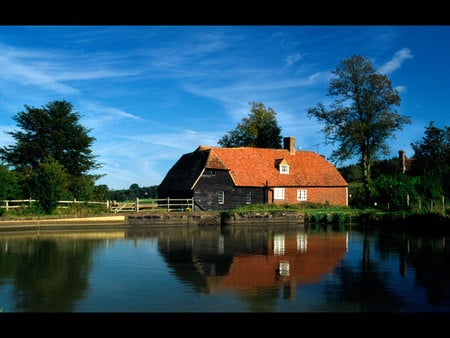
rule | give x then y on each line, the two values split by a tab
370	218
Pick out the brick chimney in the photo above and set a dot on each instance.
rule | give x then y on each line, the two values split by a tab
402	161
289	144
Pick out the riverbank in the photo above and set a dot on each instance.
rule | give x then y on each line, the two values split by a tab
366	219
61	222
193	218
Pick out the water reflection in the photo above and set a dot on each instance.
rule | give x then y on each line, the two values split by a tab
254	263
251	269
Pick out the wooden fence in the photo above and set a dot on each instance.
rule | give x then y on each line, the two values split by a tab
22	204
142	205
138	205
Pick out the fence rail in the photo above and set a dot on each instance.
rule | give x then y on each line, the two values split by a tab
138	205
141	205
22	204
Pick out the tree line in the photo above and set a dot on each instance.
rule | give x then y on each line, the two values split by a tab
52	159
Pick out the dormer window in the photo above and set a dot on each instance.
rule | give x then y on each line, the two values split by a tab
283	167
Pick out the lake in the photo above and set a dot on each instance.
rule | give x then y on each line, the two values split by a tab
213	269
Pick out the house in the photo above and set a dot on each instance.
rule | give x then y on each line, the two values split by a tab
224	178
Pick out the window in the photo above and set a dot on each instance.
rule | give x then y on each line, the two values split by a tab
248	198
278	244
210	172
301	195
278	193
221	197
302	242
284	169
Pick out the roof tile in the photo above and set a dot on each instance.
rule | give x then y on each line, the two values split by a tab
256	166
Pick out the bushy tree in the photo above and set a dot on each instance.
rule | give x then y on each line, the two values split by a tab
432	161
396	191
49	182
102	193
259	130
53	131
9	188
362	118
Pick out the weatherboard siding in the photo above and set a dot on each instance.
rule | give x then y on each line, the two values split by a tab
207	188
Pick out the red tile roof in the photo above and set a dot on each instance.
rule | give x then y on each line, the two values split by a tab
255	166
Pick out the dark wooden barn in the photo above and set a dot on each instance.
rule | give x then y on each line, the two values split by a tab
224	178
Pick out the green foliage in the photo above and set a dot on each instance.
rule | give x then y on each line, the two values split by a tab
432	161
49	183
9	187
356	197
351	173
361	118
52	131
395	192
386	166
133	192
259	130
433	151
101	193
430	186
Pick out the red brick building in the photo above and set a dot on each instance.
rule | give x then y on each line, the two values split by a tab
224	178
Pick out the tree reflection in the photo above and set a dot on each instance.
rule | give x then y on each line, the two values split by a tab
428	256
50	275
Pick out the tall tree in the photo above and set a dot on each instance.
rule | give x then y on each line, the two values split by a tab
259	130
53	131
432	160
433	151
362	117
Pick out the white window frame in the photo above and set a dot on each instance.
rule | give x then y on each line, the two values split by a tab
221	197
248	198
278	193
284	169
302	195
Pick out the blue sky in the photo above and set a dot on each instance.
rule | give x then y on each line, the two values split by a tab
153	93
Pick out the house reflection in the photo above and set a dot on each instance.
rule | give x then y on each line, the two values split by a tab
291	259
251	260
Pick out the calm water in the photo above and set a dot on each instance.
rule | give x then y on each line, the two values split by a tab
209	269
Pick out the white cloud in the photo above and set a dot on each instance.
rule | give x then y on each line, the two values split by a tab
396	62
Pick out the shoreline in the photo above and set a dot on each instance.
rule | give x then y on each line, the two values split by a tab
154	219
63	223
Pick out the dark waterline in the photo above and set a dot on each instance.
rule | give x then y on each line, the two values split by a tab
255	269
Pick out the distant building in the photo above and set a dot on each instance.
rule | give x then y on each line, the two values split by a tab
224	178
405	164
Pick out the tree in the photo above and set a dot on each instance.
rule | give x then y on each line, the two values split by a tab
53	131
259	130
362	117
392	190
9	188
49	183
432	160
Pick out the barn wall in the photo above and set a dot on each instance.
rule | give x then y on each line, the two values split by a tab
207	188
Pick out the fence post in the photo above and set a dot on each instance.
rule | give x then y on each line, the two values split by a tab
137	204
